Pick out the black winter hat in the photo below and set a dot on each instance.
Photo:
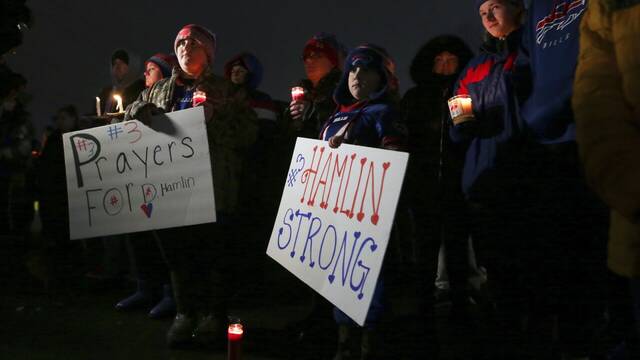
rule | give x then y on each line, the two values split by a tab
120	54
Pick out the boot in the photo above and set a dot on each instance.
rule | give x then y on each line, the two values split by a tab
345	343
184	323
210	331
141	297
181	329
166	307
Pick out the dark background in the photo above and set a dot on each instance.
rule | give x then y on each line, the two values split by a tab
66	54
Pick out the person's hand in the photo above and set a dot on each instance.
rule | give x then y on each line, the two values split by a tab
297	108
335	141
144	115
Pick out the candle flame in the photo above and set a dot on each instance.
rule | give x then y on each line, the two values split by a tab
116	97
235	329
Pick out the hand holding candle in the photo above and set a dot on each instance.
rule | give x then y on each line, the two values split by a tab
297	93
461	109
298	104
199	97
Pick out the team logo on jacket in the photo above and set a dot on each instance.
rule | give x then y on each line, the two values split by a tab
563	14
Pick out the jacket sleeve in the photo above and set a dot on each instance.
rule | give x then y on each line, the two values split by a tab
391	131
132	111
605	103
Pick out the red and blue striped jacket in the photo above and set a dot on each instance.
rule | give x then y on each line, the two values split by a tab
492	139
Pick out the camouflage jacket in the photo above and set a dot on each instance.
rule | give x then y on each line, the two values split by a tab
231	129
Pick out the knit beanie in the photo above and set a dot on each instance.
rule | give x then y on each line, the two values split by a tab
201	34
120	54
165	62
515	2
326	44
369	56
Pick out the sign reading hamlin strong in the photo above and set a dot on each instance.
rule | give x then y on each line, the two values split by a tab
335	219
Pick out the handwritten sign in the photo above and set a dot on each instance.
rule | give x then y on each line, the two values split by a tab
129	177
335	219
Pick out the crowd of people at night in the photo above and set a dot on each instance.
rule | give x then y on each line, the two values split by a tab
527	212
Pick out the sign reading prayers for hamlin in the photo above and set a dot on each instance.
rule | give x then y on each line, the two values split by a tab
128	177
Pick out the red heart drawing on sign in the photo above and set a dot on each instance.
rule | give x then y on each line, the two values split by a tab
147	209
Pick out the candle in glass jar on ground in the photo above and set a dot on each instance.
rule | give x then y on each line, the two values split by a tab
297	93
461	109
199	97
234	334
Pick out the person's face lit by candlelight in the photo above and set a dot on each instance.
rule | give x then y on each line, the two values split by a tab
500	17
316	65
152	74
191	56
363	82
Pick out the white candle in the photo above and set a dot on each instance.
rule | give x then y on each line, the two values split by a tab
98	108
461	109
119	107
467	108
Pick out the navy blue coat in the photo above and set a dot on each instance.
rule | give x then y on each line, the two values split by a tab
493	139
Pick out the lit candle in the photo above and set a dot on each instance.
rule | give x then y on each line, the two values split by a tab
461	109
297	93
98	107
118	99
199	97
234	335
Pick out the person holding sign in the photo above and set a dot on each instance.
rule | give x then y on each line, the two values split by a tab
196	254
367	116
492	132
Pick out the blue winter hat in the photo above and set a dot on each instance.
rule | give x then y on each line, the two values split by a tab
479	3
327	44
368	56
165	62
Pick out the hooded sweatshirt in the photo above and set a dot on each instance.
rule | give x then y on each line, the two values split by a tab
494	137
260	102
373	121
550	48
426	115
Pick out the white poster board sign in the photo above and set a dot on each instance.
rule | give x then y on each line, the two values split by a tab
129	177
335	219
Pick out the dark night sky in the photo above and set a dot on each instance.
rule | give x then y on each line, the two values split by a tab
66	55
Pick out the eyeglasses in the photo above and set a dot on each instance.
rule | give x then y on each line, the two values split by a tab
313	55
